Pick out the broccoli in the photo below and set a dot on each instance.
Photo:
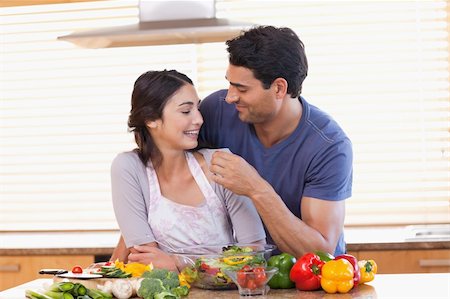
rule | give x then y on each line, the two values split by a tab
156	273
166	295
181	291
161	284
171	282
150	287
169	278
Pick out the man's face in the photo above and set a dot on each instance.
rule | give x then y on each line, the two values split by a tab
254	103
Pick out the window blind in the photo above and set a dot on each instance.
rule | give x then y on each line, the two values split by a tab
381	69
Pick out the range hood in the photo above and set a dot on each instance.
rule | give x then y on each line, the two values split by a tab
164	23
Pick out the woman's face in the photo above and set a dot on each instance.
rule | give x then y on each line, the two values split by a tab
181	121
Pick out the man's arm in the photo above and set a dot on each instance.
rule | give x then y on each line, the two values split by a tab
319	229
322	221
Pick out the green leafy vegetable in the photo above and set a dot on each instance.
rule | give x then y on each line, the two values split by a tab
165	295
181	291
233	249
161	284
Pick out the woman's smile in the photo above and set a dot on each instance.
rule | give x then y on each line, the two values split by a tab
192	133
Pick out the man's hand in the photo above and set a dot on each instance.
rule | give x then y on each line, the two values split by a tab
235	174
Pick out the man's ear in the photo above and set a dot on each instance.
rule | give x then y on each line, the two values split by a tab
280	86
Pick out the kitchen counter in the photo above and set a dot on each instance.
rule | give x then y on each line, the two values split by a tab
103	243
432	285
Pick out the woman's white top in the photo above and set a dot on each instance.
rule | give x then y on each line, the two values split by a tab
144	215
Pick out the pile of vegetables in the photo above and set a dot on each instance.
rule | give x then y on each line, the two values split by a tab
338	274
119	269
154	284
111	271
321	270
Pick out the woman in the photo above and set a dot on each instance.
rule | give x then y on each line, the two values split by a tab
162	193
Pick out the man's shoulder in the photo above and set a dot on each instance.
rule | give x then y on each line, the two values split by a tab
323	124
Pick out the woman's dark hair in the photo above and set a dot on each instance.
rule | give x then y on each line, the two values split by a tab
151	92
271	53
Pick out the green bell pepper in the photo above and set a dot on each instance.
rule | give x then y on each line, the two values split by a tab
284	263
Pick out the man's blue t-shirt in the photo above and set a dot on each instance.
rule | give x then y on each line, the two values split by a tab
314	161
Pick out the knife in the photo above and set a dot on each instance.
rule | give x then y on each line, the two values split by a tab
52	271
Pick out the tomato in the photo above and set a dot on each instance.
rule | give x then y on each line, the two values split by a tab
251	284
204	266
246	268
241	278
77	270
212	271
259	270
259	276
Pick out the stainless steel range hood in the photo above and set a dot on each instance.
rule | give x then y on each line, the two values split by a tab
164	23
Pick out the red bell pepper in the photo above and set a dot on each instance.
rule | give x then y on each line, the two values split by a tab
354	262
306	272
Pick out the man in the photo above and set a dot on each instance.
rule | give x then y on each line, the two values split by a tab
290	158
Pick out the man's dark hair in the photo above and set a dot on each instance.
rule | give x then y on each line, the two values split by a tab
271	53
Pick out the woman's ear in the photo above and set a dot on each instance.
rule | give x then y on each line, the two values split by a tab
281	86
151	124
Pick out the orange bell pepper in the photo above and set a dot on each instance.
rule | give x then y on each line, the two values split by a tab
337	276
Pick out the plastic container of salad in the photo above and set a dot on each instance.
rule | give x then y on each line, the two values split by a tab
203	266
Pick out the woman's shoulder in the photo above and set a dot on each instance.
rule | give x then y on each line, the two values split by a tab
203	158
207	153
129	159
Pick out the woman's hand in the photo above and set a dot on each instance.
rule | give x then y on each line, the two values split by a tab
121	251
147	254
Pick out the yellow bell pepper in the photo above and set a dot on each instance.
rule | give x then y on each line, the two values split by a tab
135	269
183	280
368	269
237	259
337	276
